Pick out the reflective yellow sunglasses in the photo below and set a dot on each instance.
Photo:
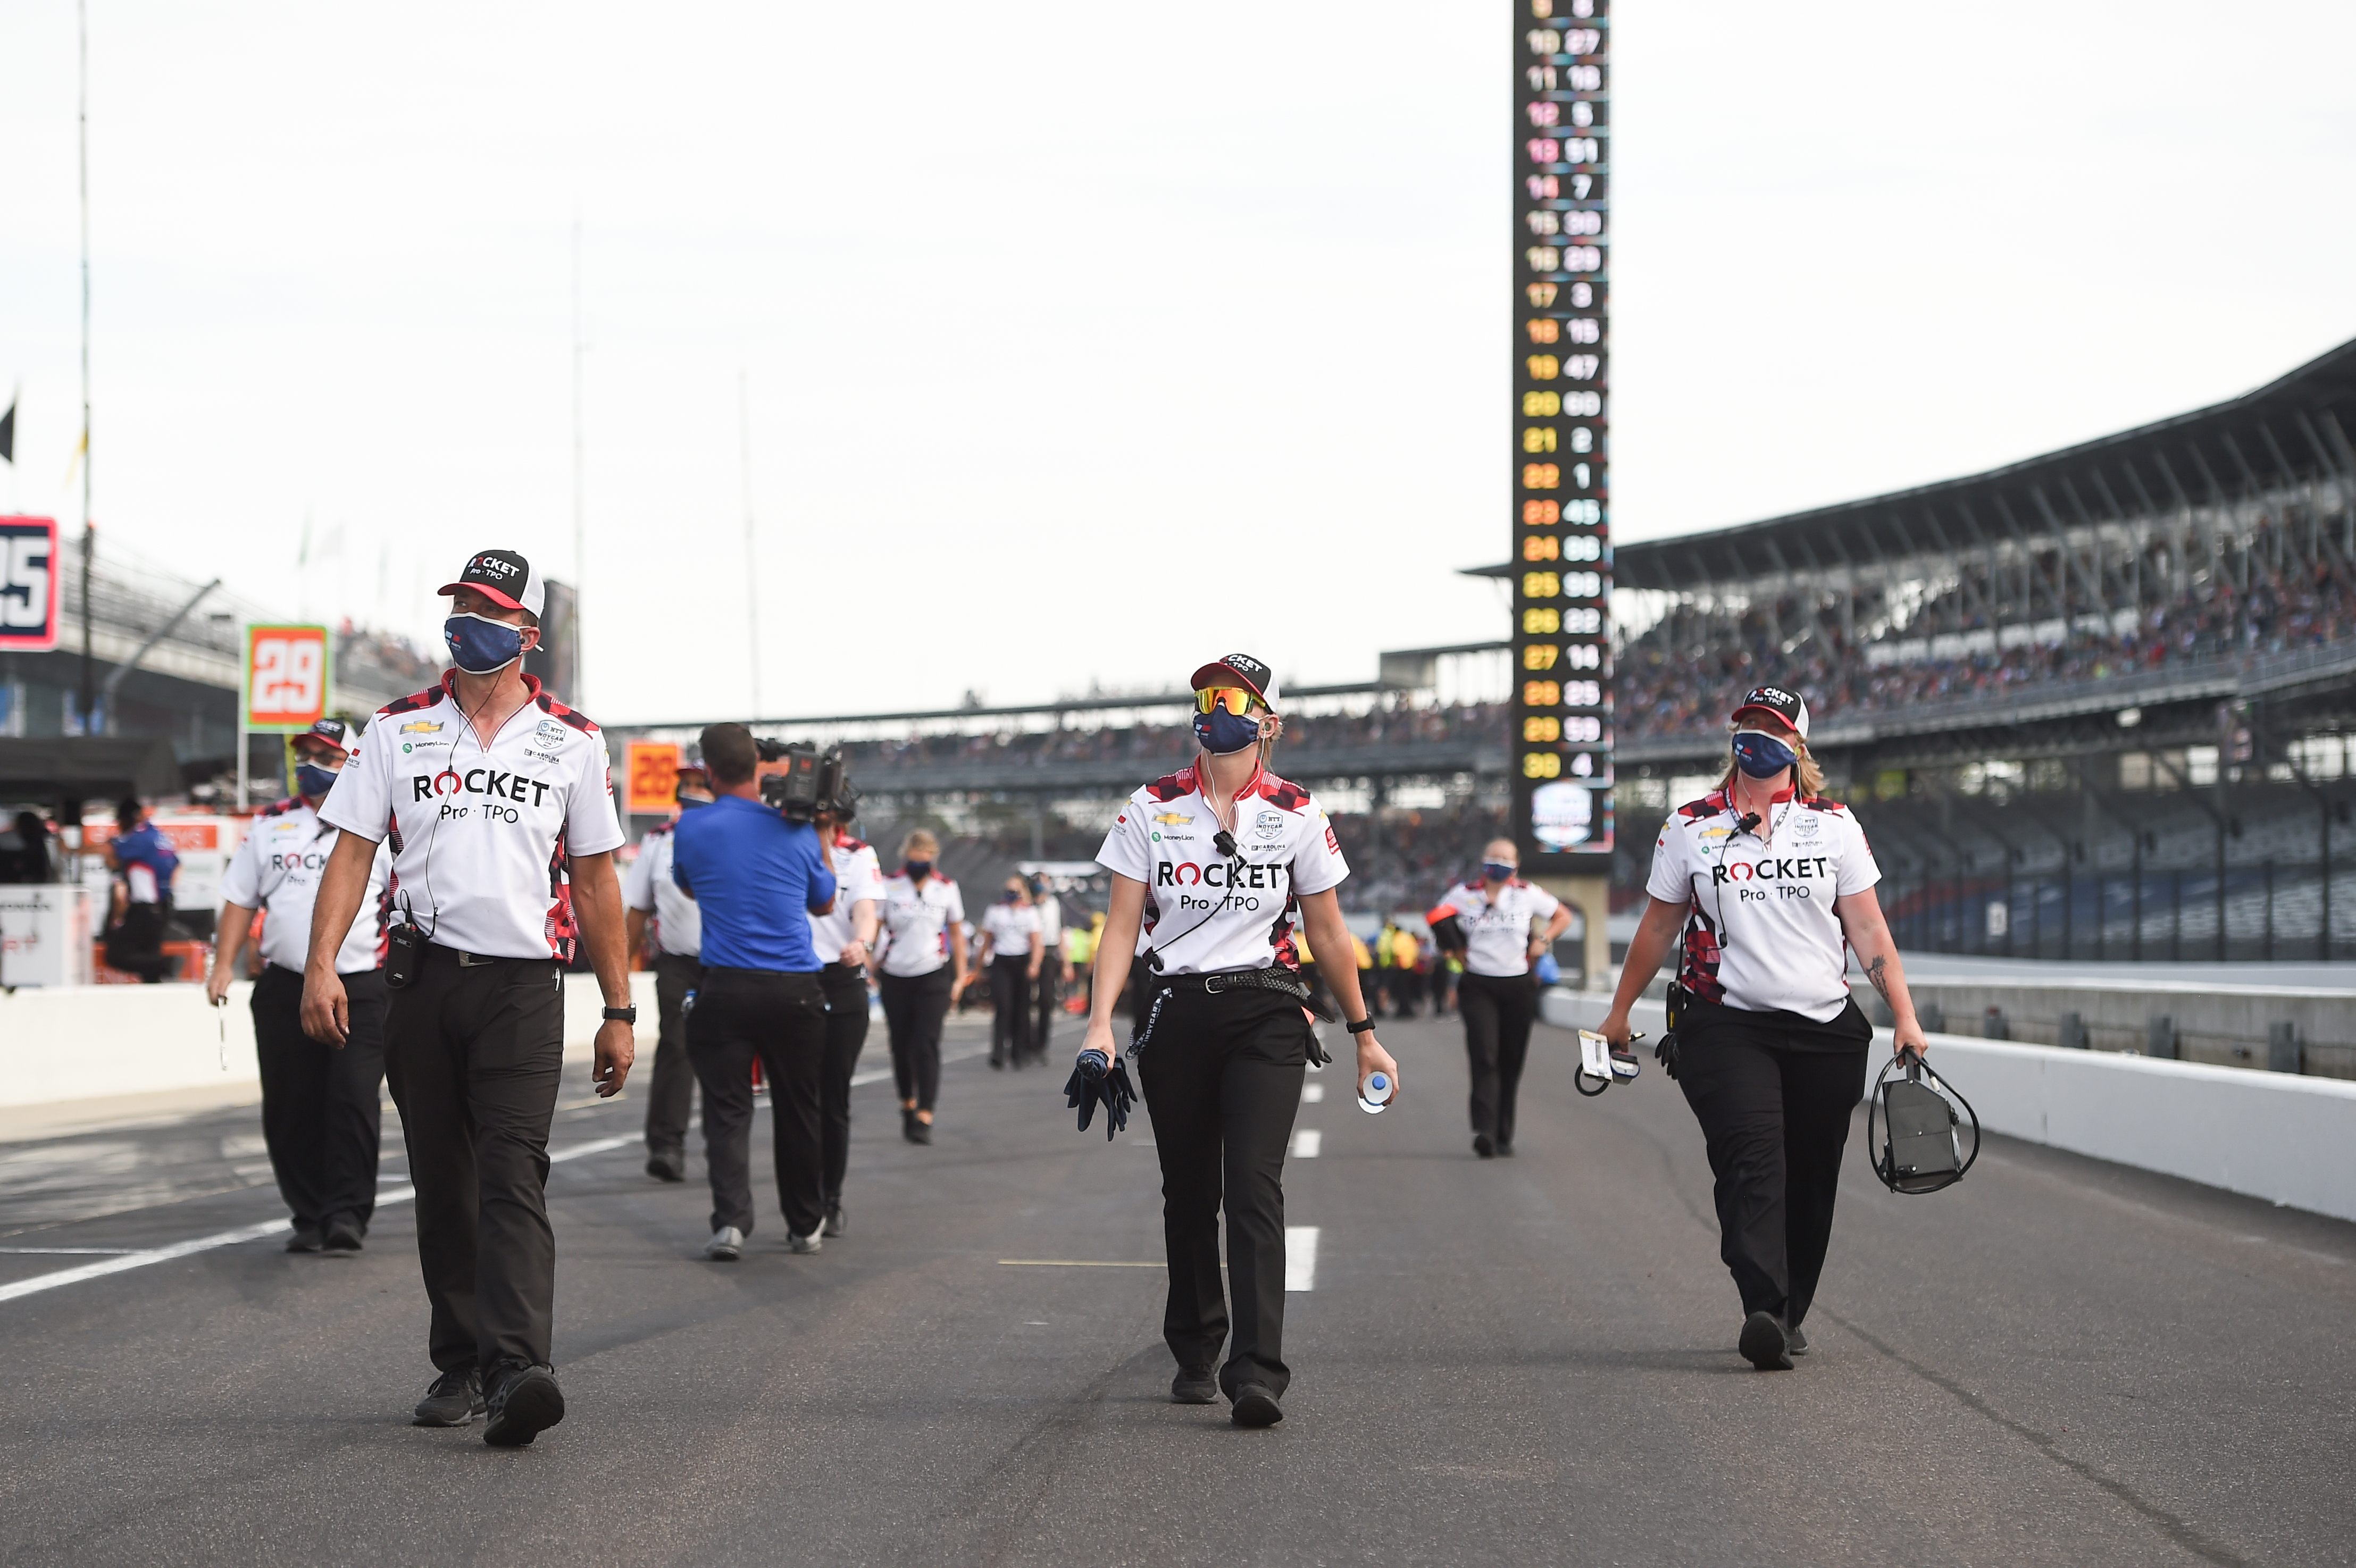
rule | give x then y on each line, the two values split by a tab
1234	699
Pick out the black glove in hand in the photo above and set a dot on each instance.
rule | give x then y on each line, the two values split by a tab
1091	1081
1665	1051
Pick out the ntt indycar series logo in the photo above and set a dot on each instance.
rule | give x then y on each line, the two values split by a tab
1239	880
491	786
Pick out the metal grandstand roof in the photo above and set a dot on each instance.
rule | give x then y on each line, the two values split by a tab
2292	432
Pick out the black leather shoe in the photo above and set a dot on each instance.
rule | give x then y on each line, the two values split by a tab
343	1235
1505	1149
304	1240
837	1223
1795	1341
1255	1406
666	1165
1194	1385
919	1132
1764	1344
523	1403
1484	1145
455	1399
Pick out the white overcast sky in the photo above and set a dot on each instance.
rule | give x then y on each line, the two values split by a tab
1086	341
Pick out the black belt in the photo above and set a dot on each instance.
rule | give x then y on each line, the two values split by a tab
711	969
1217	981
482	960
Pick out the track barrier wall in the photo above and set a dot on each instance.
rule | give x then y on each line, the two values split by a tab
86	1042
2290	1140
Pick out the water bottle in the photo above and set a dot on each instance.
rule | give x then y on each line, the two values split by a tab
1374	1092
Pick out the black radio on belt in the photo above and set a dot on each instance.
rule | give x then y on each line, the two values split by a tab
405	951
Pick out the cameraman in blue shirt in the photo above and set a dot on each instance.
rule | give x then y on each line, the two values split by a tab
754	874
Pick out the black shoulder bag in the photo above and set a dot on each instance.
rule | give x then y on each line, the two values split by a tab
1921	1149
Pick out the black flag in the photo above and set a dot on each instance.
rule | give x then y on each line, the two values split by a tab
8	433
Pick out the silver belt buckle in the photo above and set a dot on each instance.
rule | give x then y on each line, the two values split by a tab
1211	986
472	960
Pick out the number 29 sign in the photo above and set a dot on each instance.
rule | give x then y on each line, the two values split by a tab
285	676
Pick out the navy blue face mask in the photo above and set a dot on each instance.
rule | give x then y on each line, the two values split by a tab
480	646
1761	755
313	780
918	870
1221	731
1498	871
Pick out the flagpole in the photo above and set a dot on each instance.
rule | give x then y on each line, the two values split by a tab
89	533
752	593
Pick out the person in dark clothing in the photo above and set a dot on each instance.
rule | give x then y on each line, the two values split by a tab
29	862
143	862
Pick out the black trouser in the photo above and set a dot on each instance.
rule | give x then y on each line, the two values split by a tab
846	1036
1222	1081
320	1111
670	1092
1009	1019
1498	1011
1775	1119
474	1053
1050	990
914	1006
780	1018
136	946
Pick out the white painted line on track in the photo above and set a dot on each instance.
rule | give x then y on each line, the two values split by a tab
1300	1257
1306	1143
877	1075
1313	1093
123	1261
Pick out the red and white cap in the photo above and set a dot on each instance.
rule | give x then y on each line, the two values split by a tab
1785	705
1239	669
505	578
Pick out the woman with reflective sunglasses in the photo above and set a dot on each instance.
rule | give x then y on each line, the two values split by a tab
1218	872
1770	886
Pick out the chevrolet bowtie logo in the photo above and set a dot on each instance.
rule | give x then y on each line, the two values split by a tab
422	726
1174	818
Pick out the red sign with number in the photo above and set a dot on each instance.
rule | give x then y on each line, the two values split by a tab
28	584
285	676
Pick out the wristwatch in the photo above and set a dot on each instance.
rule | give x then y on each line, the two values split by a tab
1364	1025
629	1015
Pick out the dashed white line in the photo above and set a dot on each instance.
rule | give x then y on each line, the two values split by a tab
1313	1093
117	1264
1306	1143
1300	1257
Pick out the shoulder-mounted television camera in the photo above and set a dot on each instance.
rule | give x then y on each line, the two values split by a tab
813	781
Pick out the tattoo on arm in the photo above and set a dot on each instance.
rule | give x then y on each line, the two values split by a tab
1878	972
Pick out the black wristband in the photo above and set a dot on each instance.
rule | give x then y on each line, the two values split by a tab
1364	1025
629	1015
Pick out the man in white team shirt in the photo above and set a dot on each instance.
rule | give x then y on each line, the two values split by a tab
648	890
1490	923
1214	870
842	938
498	803
321	1115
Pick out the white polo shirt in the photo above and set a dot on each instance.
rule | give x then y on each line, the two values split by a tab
481	831
1761	932
1497	935
646	887
1009	928
856	876
917	922
1205	912
276	869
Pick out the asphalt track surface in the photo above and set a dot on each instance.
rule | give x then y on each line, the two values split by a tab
1518	1361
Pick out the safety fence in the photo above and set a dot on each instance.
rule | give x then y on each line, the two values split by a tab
2269	911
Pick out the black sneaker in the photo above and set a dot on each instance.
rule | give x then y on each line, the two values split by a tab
666	1165
524	1403
1255	1406
838	1223
343	1235
908	1123
1484	1145
1764	1344
455	1399
1795	1341
1194	1385
304	1240
920	1132
1505	1149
